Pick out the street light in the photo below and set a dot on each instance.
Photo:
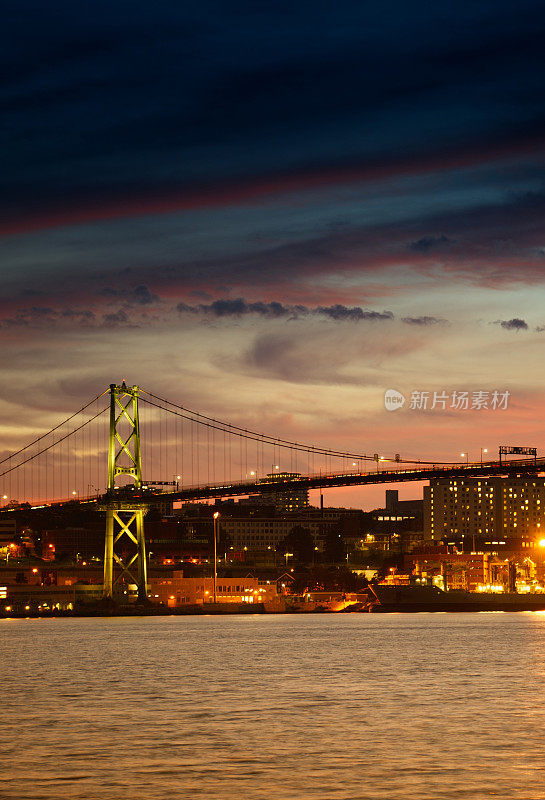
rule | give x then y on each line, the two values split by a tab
483	450
466	456
216	515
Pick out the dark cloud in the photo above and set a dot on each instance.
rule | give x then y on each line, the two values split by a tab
139	296
354	313
117	319
423	321
427	243
78	315
142	296
238	307
515	324
34	316
43	317
275	310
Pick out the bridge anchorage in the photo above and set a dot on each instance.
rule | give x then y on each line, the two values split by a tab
125	547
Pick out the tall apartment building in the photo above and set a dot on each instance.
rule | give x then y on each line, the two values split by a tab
490	511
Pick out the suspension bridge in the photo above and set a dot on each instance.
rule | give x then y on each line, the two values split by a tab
157	448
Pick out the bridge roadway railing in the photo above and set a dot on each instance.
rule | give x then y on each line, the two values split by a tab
399	474
324	481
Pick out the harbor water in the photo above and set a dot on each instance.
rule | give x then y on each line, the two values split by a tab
271	707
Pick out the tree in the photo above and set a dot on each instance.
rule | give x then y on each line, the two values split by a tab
300	542
334	549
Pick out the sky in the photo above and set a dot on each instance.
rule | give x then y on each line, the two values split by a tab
274	213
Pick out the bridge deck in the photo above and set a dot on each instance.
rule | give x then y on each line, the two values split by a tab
243	488
308	482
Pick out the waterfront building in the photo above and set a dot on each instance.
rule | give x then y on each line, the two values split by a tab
177	590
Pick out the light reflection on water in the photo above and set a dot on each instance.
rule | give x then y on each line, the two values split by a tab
400	707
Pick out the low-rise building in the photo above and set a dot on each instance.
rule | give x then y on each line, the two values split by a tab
177	590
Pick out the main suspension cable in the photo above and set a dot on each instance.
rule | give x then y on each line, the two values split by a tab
56	428
235	430
51	446
189	414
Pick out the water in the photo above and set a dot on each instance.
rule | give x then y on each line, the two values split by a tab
328	707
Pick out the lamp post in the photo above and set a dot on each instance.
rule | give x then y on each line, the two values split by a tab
466	456
216	515
483	450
